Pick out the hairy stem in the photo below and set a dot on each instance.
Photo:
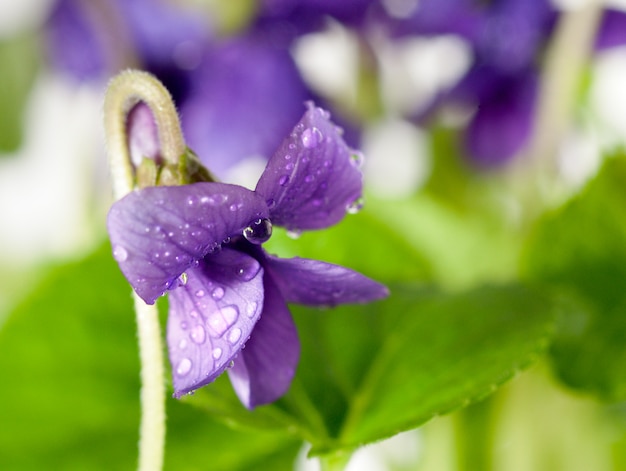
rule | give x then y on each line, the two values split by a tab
152	396
124	92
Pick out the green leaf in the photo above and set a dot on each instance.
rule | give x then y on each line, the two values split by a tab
363	242
18	57
368	372
69	401
580	250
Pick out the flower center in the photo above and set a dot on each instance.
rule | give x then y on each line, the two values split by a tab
259	231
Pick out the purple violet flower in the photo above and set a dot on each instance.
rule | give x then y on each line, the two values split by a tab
202	243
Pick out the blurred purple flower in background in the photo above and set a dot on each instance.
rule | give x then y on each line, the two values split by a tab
202	243
507	39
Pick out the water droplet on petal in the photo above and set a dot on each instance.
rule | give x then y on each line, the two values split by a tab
234	335
183	325
217	293
199	293
191	200
230	313
183	276
282	181
355	206
251	308
120	253
289	167
184	367
270	203
357	159
294	233
182	344
311	137
198	334
217	352
309	178
259	231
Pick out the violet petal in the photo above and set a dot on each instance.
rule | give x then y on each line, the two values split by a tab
316	283
143	137
313	178
157	233
212	313
246	96
612	29
264	369
503	122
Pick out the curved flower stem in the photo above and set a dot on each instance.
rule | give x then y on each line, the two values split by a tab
125	91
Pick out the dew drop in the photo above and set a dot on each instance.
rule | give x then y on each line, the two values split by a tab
217	293
183	276
230	313
199	293
282	181
234	335
288	156
355	206
251	308
184	367
198	334
259	231
182	344
191	200
357	159
311	137
289	167
309	178
294	233
217	352
247	272
183	325
271	203
120	253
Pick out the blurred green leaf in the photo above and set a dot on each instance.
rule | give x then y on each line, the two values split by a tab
69	401
363	242
368	372
580	250
19	57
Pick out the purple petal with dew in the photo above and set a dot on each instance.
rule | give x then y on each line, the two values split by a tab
212	313
316	283
612	30
143	138
159	232
264	369
246	96
503	122
314	178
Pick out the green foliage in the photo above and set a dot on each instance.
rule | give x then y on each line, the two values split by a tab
69	363
580	250
19	67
